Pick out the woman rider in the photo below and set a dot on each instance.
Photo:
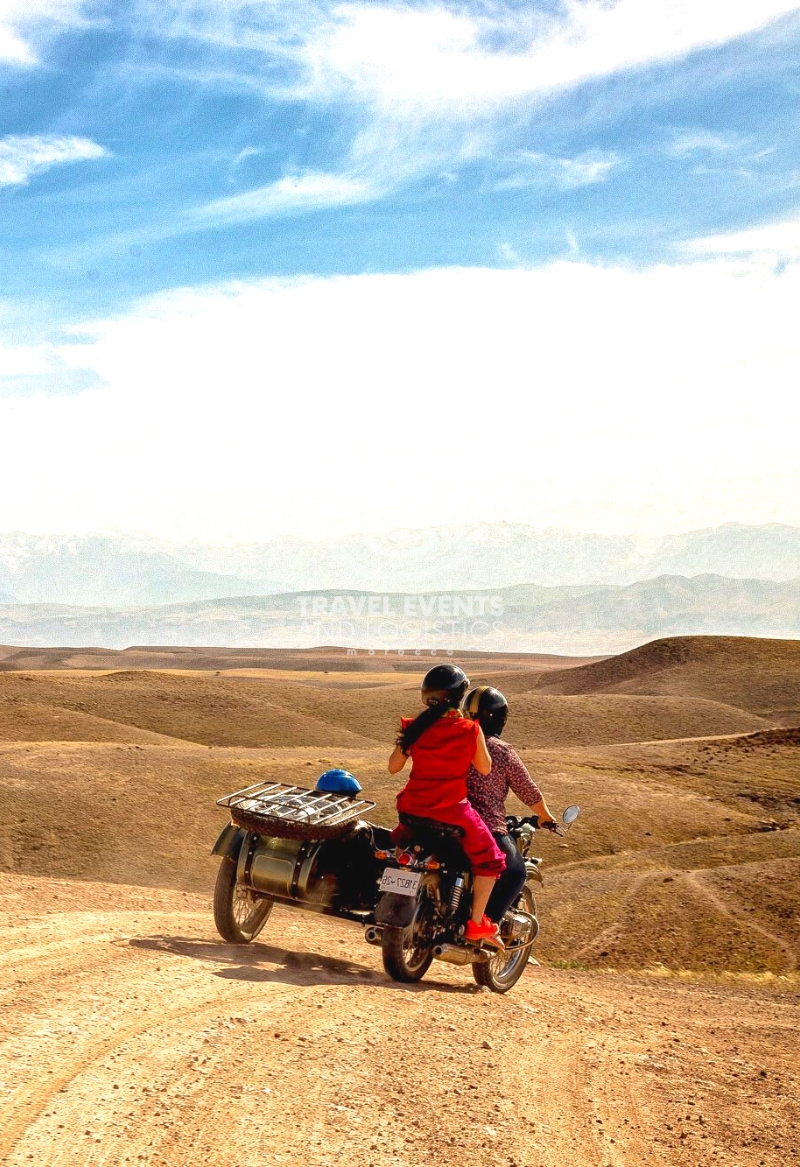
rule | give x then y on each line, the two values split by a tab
442	743
488	792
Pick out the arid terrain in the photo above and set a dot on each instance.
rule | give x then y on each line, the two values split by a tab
659	1026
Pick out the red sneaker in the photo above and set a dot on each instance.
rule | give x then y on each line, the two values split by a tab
484	933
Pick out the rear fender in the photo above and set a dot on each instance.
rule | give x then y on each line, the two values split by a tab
395	911
229	842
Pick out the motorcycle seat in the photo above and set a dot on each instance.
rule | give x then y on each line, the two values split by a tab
431	826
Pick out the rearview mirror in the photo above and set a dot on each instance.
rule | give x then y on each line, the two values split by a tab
570	814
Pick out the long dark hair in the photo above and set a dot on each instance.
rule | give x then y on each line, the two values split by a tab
429	716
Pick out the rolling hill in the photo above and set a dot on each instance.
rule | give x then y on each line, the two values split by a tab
760	675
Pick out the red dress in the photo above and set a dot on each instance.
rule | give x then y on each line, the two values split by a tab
437	787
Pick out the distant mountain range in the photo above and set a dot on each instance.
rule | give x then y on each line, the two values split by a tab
597	619
137	570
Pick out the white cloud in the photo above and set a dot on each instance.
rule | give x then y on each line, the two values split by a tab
591	397
430	86
23	156
25	23
439	57
309	191
533	169
775	241
247	152
22	361
701	141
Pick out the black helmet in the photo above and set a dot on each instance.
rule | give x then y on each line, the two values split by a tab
444	685
489	707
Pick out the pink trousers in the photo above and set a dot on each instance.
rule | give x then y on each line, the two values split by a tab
484	855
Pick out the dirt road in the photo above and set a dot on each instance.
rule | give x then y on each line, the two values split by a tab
130	1034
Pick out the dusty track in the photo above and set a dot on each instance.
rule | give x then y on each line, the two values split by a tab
130	1034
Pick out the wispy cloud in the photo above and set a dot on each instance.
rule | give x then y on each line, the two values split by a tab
699	141
533	169
24	23
429	86
309	191
453	54
23	156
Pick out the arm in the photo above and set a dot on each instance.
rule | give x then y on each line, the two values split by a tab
482	760
540	808
526	790
397	760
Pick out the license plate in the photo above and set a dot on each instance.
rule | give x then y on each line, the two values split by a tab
402	883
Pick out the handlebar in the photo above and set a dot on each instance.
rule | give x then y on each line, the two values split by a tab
514	822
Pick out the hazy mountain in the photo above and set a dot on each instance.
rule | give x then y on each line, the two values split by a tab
108	569
771	551
477	555
599	619
125	570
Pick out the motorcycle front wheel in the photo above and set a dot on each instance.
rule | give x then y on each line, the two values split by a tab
500	973
239	913
407	952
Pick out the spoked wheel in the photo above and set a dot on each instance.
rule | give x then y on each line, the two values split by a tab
500	973
239	913
408	952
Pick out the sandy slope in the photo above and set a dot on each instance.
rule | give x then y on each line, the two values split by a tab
753	673
130	1034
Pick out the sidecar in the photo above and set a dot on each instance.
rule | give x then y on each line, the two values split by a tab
302	848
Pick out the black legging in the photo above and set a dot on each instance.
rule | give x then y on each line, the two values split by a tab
510	883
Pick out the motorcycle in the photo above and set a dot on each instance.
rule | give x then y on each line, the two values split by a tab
315	851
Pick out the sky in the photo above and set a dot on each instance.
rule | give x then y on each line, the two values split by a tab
307	268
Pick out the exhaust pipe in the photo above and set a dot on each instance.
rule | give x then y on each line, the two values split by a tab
456	954
373	935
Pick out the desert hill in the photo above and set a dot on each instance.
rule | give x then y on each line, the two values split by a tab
597	719
133	1035
332	659
654	815
268	709
761	675
209	710
114	775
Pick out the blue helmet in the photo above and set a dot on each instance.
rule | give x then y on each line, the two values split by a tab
339	782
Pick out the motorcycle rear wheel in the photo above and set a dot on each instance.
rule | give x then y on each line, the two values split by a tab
407	952
239	914
500	973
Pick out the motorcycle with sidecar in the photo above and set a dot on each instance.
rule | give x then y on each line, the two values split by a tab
317	851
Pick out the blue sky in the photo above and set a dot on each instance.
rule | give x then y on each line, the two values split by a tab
213	160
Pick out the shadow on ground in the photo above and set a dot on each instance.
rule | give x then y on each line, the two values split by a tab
294	968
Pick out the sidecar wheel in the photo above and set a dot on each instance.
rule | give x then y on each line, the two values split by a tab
239	914
500	973
407	952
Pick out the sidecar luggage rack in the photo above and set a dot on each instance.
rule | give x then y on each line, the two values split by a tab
292	812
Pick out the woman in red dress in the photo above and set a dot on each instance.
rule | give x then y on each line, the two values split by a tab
442	744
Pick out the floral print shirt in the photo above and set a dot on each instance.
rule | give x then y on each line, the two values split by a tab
488	792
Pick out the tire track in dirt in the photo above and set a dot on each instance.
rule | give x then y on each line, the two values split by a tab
297	1049
614	931
697	881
